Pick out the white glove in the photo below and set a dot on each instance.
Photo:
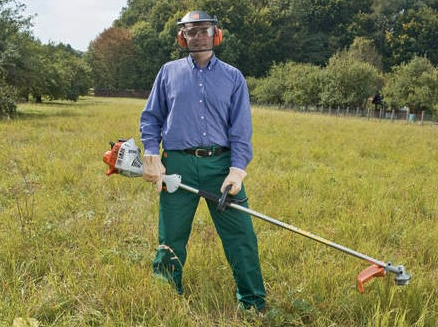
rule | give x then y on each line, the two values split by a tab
153	170
235	178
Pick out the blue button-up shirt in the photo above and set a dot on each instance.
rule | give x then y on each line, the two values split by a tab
192	107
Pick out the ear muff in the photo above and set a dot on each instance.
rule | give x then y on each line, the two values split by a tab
217	38
182	42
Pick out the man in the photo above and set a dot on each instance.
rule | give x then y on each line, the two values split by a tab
199	111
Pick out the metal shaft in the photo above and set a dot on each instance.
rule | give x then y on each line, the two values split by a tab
297	230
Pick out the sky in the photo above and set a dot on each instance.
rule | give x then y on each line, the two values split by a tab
74	22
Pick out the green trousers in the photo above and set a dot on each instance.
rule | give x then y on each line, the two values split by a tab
235	229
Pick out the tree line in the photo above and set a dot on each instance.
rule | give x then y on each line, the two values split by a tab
349	81
30	69
330	52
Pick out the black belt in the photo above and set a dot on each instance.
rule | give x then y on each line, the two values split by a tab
202	153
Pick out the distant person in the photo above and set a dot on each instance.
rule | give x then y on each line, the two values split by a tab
377	101
199	111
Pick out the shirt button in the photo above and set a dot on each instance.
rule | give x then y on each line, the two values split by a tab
200	84
202	117
200	101
205	134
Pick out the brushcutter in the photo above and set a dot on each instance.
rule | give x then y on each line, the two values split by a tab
124	159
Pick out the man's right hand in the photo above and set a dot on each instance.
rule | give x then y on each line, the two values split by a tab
153	170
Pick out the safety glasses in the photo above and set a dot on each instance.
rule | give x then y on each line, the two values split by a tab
200	31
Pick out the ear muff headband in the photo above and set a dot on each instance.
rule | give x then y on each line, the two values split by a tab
217	38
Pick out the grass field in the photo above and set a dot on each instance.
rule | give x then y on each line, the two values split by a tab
76	246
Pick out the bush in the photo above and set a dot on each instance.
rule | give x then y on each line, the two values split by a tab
270	90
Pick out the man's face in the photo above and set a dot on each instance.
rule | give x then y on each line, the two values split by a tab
199	36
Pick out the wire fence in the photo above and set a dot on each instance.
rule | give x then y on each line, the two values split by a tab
422	118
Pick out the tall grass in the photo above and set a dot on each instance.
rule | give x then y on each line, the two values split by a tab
76	246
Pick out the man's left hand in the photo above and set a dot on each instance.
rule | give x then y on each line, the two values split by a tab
235	178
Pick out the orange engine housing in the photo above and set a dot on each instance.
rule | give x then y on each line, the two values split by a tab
110	157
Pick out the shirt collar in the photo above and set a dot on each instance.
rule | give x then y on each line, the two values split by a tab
210	65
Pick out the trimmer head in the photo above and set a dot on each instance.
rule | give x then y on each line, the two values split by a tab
401	276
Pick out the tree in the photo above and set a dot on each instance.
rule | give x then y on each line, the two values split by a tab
112	60
332	18
348	82
414	32
257	33
153	12
14	33
250	34
364	50
58	73
8	105
148	50
303	85
413	84
270	90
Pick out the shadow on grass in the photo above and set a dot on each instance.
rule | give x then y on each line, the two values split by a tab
46	109
35	115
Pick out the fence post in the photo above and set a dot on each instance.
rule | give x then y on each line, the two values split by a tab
392	115
422	117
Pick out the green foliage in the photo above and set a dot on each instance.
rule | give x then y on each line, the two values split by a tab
76	246
149	45
258	37
413	33
7	100
332	17
231	49
348	82
257	34
262	33
27	67
345	81
363	49
414	84
303	85
289	84
252	83
271	89
58	73
14	37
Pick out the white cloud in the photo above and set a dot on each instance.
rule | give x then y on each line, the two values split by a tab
74	22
